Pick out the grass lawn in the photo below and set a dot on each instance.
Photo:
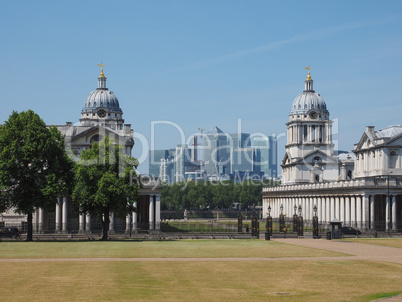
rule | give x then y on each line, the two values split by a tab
390	242
160	249
199	281
307	280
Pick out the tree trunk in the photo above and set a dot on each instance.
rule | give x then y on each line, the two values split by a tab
29	235
105	225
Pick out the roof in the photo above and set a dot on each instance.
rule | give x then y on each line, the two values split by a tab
390	131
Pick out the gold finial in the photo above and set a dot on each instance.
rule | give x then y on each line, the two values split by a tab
308	75
102	75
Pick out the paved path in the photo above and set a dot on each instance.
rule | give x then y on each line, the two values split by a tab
354	251
360	251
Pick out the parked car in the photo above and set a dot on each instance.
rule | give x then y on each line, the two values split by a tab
10	233
350	231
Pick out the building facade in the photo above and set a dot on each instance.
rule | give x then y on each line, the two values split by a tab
217	156
100	117
362	189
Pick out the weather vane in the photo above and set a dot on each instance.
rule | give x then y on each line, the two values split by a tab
308	75
101	66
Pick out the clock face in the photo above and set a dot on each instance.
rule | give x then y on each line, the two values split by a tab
313	114
101	113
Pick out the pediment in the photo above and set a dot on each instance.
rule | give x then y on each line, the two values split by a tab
318	156
85	135
366	141
286	159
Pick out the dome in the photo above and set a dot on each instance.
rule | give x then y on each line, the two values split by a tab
102	98
308	100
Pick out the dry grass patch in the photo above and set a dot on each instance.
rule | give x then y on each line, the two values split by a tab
199	281
159	249
389	242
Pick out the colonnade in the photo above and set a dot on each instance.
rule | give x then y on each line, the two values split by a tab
357	210
62	225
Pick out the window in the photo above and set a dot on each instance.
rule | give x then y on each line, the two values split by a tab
393	158
305	133
317	160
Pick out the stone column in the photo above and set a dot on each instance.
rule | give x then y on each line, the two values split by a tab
64	215
57	215
327	210
81	226
372	214
88	224
322	211
128	224
41	220
332	208
342	209
111	223
35	221
359	211
158	213
135	230
365	211
393	202
353	211
347	210
336	208
151	212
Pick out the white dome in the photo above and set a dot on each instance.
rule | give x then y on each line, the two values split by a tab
104	98
308	100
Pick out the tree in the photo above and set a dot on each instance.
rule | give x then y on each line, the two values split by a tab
34	167
105	182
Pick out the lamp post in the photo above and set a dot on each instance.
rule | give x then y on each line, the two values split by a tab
281	220
315	223
300	224
268	225
389	205
295	220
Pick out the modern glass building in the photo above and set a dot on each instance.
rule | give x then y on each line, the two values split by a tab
267	155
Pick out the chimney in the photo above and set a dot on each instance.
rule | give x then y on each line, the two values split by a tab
127	129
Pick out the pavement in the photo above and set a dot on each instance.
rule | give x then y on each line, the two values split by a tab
358	251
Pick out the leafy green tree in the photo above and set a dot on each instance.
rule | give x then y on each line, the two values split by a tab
105	182
34	167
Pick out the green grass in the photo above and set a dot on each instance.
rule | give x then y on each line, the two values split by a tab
144	249
382	296
197	227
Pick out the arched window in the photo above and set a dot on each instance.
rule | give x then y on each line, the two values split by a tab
317	178
95	139
317	160
349	175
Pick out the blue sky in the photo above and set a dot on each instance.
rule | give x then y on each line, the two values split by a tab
204	63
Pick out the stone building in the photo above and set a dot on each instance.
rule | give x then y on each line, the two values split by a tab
362	188
101	116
